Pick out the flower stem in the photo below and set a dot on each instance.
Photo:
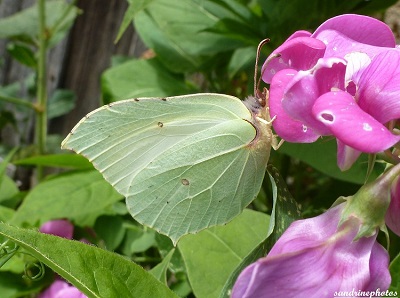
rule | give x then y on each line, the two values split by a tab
41	104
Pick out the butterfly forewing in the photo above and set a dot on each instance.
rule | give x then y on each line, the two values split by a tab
183	163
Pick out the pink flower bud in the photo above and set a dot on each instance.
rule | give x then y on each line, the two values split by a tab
61	227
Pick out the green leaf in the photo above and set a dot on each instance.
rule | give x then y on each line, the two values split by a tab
7	118
395	273
211	255
137	78
95	272
22	54
13	285
135	6
280	19
372	7
68	161
322	156
184	163
285	211
4	162
138	239
160	271
177	32
165	245
241	59
80	196
24	25
8	189
6	213
110	230
60	103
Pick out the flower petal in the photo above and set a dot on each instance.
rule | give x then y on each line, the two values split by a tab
61	289
62	228
346	156
339	45
379	264
362	29
351	125
392	214
308	232
287	128
337	262
299	33
299	53
307	86
379	87
357	62
70	292
55	287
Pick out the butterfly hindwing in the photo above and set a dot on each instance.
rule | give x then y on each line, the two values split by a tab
183	163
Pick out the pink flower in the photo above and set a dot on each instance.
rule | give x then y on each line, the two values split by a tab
342	80
393	214
61	289
61	227
315	258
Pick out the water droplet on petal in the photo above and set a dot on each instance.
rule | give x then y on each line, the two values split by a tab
305	128
367	127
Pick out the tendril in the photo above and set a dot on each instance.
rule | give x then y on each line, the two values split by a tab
7	252
33	266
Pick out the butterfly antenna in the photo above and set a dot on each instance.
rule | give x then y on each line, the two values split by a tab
257	82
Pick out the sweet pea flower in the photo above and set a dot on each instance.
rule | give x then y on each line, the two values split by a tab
334	252
342	80
393	214
315	258
60	227
60	288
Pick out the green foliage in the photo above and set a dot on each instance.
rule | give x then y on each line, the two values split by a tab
211	255
160	271
79	196
12	285
22	54
195	46
285	210
124	81
60	103
177	33
24	26
395	273
322	156
68	161
94	271
135	6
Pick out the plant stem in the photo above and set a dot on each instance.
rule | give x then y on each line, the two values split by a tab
41	112
17	101
63	17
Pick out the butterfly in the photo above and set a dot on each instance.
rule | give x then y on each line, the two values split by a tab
183	163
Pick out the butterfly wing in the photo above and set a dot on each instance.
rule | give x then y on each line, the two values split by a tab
183	163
